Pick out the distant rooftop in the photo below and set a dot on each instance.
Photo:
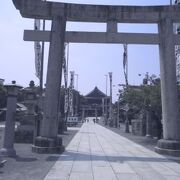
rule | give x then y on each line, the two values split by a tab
95	93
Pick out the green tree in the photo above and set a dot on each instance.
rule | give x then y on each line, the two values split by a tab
143	97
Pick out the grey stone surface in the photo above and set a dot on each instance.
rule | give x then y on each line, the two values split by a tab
98	37
49	125
98	153
31	166
169	96
53	81
170	111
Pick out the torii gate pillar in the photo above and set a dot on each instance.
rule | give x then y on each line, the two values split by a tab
48	141
170	144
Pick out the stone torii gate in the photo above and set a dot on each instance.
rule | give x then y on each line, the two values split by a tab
60	13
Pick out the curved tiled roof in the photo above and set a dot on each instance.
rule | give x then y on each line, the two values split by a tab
95	93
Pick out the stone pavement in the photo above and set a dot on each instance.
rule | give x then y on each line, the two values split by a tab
28	165
97	153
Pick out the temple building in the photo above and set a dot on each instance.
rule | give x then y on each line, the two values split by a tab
95	103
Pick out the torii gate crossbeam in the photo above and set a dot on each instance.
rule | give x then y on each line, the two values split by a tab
99	37
96	13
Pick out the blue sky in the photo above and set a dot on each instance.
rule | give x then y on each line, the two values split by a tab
90	61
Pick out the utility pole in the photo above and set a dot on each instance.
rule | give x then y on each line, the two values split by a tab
103	107
106	82
67	65
125	67
106	103
118	123
76	94
110	103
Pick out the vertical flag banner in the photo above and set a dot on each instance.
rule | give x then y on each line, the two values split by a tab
66	103
125	63
71	88
37	50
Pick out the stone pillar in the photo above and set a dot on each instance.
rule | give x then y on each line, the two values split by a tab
170	144
49	142
8	144
148	124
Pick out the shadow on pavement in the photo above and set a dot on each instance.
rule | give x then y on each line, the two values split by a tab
69	155
52	158
25	159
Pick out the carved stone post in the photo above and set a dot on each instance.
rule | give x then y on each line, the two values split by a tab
170	144
48	141
8	144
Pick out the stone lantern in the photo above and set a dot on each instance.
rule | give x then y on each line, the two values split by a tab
26	130
30	101
8	144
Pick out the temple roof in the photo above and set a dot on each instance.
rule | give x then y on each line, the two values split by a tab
95	93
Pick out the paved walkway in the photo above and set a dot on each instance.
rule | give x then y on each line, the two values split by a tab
28	165
96	153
